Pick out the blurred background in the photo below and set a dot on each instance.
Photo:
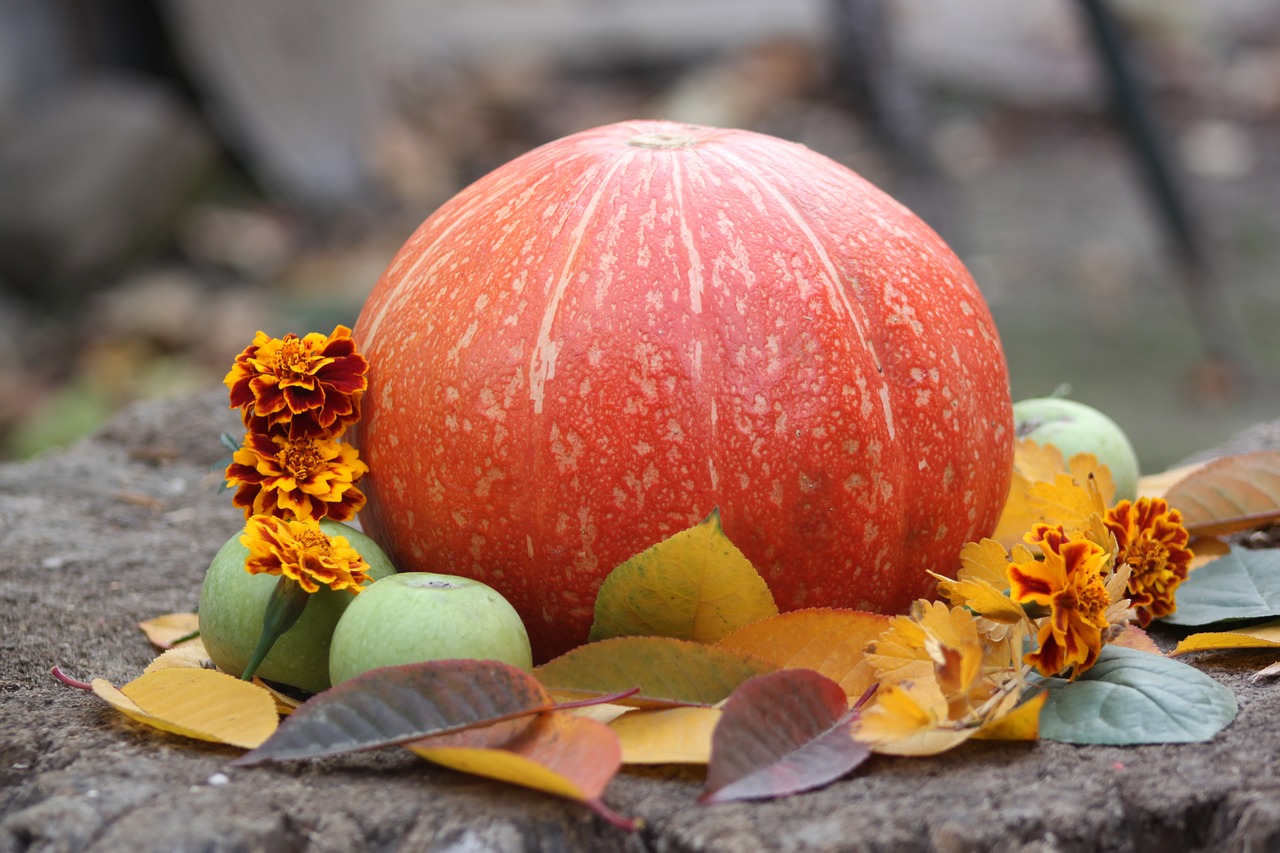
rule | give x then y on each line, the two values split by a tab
176	174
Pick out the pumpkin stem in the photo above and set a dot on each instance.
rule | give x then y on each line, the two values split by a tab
663	139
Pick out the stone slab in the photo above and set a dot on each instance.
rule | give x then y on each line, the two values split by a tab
120	527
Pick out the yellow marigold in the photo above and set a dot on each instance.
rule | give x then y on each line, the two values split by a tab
1153	543
300	550
304	386
309	478
1070	583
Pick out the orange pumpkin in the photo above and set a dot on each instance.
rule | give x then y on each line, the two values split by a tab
595	345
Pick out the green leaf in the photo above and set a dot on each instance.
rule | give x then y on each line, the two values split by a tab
1131	697
1243	584
396	704
667	671
695	585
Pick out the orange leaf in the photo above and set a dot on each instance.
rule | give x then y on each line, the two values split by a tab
197	703
163	631
1133	637
1229	494
558	753
827	640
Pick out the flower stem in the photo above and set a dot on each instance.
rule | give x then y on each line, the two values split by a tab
285	605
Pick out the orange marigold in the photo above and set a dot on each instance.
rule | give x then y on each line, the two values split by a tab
1153	543
300	550
309	478
304	386
1070	582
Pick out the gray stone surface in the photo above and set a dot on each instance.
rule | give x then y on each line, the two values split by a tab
92	177
120	528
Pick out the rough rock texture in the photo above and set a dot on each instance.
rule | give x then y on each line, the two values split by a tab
120	528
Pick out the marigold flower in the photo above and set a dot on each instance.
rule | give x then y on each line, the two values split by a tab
1153	543
1071	583
300	550
305	386
309	478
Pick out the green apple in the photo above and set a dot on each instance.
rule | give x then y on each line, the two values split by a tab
233	602
421	616
1076	428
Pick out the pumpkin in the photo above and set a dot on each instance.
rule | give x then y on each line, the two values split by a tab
595	345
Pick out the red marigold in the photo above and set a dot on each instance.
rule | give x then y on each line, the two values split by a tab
300	550
307	477
1070	583
1153	543
303	386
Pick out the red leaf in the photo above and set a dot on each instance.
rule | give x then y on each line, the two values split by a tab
781	733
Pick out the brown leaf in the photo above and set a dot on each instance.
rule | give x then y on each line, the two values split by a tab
1230	494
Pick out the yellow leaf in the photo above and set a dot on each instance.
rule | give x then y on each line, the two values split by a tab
163	631
1021	723
695	585
908	719
1046	490
667	736
1265	636
197	703
190	655
1037	462
830	641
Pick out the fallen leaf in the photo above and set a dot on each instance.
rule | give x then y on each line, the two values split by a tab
1242	584
666	735
164	631
1266	672
397	704
1047	489
1230	494
1133	637
1022	723
695	585
779	734
1131	697
1264	636
1156	485
666	670
829	641
197	703
558	753
190	655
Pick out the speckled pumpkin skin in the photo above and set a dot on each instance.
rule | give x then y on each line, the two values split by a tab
590	348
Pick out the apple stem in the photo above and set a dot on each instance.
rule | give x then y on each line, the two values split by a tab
285	605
